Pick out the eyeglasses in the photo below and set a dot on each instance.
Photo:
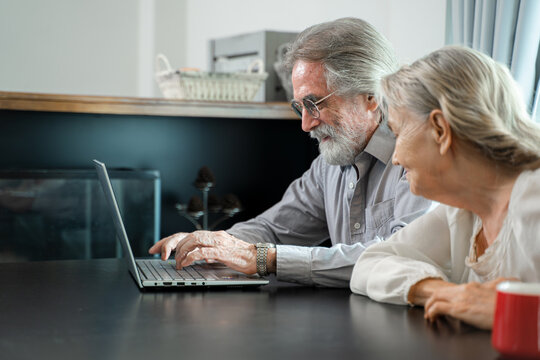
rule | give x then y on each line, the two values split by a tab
310	106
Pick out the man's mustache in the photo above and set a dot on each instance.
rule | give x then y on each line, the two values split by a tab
322	131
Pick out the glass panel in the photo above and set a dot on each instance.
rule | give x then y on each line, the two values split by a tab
52	215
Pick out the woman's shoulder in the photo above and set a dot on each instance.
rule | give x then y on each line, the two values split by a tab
525	198
526	188
524	212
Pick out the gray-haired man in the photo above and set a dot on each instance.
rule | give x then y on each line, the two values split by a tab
351	194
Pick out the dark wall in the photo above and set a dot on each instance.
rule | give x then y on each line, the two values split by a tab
254	159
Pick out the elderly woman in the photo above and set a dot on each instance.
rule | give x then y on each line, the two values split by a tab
465	140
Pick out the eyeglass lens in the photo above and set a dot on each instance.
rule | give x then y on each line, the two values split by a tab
310	107
297	108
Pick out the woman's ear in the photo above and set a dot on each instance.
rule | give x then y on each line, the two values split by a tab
441	130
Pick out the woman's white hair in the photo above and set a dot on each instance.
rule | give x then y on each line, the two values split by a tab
355	56
479	99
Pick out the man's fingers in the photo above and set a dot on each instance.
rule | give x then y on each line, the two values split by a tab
166	245
205	253
154	249
201	239
187	245
198	239
234	260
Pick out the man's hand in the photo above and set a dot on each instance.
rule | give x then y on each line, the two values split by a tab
473	303
210	246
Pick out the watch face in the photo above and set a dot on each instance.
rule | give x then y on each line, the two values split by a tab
265	245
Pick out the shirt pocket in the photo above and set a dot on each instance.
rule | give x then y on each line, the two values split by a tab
378	218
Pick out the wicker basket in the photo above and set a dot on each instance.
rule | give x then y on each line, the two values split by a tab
199	85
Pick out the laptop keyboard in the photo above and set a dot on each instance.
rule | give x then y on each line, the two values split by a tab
166	270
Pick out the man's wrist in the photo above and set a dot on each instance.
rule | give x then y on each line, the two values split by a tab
271	263
264	266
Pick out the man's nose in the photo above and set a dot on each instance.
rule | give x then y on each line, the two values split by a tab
309	122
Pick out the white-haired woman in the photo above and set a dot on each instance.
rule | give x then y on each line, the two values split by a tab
465	139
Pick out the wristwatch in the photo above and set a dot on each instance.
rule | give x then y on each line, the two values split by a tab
262	257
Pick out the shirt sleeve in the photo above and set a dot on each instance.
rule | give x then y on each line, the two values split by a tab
332	267
386	271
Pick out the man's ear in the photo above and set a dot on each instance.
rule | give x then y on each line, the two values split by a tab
440	128
371	103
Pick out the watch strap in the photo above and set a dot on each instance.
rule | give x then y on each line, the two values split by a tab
262	257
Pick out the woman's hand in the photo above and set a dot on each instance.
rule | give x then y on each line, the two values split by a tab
473	303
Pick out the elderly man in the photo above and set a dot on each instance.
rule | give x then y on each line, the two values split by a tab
351	194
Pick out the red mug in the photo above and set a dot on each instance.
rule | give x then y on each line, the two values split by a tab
517	320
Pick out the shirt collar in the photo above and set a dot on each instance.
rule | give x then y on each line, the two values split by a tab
380	146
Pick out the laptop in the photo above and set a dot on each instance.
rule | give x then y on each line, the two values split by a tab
156	273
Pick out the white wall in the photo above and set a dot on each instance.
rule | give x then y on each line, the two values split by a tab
104	47
67	46
415	27
170	34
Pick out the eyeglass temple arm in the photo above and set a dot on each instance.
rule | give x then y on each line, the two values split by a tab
324	98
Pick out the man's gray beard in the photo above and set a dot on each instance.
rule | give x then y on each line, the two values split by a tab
339	149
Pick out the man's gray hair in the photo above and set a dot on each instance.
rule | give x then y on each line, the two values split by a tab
355	56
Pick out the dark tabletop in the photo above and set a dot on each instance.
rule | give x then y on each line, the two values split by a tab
93	310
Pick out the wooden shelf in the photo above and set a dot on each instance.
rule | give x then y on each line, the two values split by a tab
143	106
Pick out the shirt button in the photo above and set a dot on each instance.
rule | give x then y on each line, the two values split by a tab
357	226
351	185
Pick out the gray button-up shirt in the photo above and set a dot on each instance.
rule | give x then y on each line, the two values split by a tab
333	202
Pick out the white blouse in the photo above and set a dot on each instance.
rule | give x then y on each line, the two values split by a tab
440	244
